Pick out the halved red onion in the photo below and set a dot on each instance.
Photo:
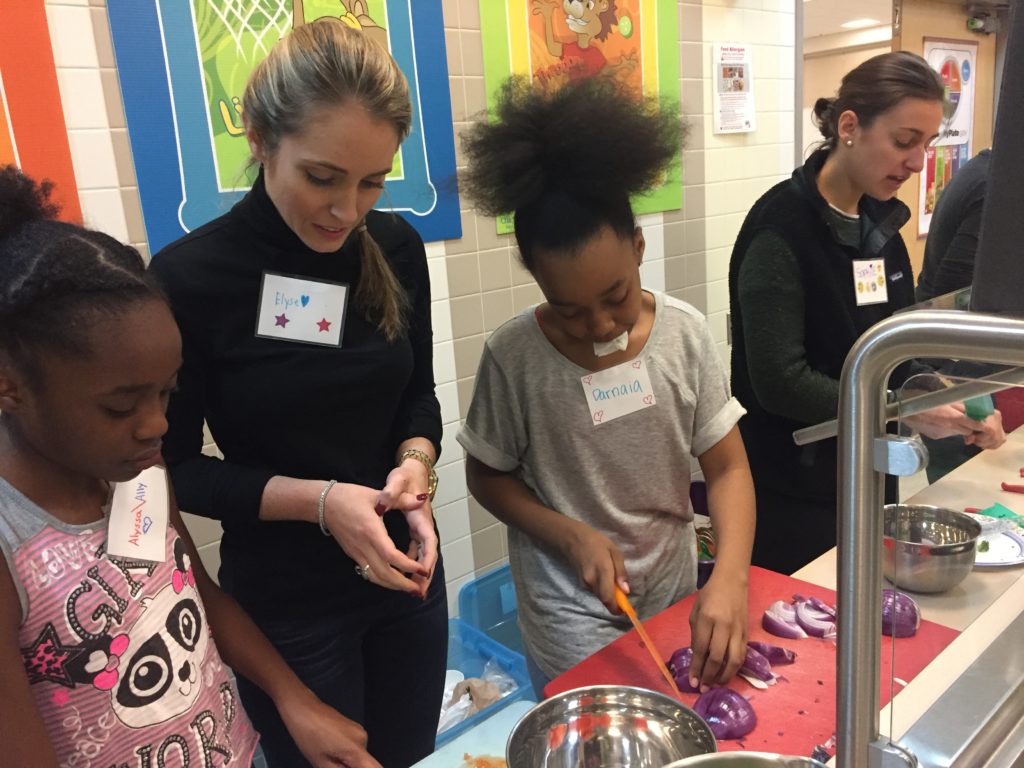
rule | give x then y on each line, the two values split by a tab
729	715
780	620
775	654
901	615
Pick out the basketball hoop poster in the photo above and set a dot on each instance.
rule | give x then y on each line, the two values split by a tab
955	61
33	134
183	65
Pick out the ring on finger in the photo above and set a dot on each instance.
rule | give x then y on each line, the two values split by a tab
364	571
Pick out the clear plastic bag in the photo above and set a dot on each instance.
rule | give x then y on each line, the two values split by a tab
455	711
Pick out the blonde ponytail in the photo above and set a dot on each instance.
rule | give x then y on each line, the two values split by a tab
380	293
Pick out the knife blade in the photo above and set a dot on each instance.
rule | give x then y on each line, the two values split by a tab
623	602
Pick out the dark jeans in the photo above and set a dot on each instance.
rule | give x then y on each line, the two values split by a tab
794	530
383	666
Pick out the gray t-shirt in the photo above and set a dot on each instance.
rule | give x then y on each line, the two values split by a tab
628	478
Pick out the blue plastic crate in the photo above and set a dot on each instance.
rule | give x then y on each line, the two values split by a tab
469	650
489	604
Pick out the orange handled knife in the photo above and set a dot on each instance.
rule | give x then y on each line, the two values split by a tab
623	602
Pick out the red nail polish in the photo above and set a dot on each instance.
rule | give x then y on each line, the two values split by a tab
421	497
380	509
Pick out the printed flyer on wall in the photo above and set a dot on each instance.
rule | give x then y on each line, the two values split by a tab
734	91
954	60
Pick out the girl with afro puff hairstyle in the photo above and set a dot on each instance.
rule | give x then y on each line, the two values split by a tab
589	406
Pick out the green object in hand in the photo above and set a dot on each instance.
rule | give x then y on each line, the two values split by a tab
979	408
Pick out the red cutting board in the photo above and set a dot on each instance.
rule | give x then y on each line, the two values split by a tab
795	714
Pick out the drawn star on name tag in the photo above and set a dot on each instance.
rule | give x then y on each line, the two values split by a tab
618	391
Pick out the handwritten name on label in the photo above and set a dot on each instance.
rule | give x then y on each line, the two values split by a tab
869	281
138	517
618	391
297	309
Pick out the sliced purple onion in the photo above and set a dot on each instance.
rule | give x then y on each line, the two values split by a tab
729	715
780	620
901	616
815	622
775	654
756	665
679	666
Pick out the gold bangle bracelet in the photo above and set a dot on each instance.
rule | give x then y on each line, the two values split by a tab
426	461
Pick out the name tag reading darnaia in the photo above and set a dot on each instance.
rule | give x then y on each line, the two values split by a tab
618	391
137	527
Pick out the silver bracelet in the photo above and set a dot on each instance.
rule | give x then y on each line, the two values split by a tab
320	507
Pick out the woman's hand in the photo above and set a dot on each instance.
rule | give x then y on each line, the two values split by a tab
718	630
406	491
352	513
950	420
323	735
598	563
989	433
943	421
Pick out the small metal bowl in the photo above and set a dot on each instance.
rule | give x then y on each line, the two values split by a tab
612	726
927	549
746	760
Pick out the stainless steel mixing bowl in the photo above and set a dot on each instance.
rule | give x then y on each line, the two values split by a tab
611	726
928	549
746	760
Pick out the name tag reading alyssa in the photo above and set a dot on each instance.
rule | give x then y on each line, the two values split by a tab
137	527
618	391
869	282
297	309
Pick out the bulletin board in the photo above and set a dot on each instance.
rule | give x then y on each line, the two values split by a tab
33	134
183	65
638	44
956	63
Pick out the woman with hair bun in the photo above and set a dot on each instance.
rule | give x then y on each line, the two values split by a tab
589	406
819	260
305	316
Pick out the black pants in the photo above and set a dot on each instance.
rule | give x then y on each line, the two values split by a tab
794	530
383	666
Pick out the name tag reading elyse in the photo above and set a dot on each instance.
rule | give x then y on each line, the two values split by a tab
618	391
137	527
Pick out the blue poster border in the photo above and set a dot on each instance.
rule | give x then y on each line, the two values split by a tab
175	201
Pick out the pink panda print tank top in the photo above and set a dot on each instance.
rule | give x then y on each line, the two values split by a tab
118	653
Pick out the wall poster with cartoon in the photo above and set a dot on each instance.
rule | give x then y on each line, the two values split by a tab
955	61
33	134
558	41
183	65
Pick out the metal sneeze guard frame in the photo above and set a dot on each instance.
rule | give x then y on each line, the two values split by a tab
862	415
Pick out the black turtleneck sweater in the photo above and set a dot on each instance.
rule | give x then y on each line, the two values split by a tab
278	407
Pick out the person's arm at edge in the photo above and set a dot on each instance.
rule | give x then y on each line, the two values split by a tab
732	509
507	498
771	296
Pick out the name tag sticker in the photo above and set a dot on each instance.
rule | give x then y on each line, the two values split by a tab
297	309
869	282
137	527
618	391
